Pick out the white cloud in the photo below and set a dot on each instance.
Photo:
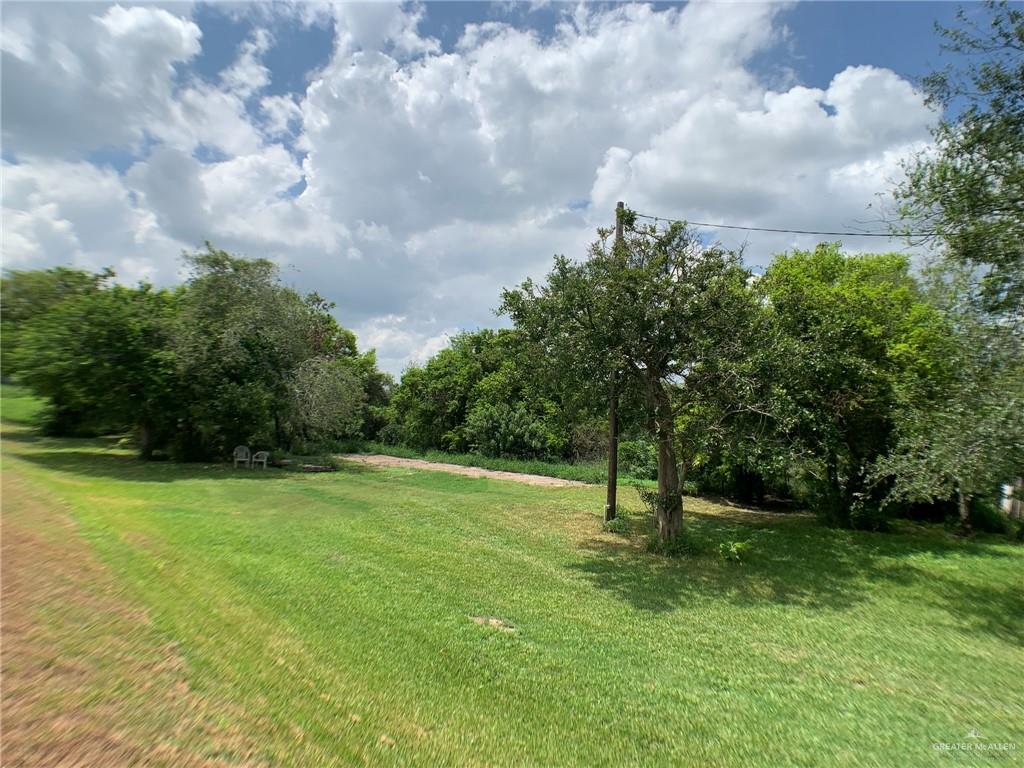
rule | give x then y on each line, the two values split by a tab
433	178
280	113
248	74
80	77
73	213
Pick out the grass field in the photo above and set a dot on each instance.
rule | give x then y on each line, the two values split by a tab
168	614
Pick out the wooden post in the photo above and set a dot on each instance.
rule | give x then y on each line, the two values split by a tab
613	404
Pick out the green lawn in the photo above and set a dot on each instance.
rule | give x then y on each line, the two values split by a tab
328	620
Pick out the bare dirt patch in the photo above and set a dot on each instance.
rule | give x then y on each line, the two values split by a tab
378	460
493	622
87	680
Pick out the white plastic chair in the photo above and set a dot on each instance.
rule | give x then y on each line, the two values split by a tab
260	457
242	454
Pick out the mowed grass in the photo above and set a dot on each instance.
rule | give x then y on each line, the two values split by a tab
329	620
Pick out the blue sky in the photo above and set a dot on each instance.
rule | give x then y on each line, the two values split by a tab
410	160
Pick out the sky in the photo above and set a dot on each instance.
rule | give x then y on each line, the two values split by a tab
409	161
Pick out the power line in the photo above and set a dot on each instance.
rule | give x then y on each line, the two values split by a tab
785	231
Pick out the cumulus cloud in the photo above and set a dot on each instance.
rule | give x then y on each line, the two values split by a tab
75	214
77	77
410	183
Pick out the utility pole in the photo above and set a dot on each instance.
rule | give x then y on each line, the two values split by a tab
613	401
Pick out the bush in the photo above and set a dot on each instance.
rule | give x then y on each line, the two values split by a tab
501	430
391	434
639	459
985	516
590	441
866	515
619	524
733	551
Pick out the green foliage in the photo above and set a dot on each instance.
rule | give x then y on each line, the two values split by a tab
848	331
391	433
660	308
986	516
100	358
326	400
968	438
504	430
481	393
965	437
734	551
620	524
968	188
27	294
638	458
231	357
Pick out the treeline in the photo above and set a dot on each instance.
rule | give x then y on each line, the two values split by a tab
842	383
850	383
798	384
230	357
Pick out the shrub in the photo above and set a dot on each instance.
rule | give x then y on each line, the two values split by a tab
391	434
867	515
590	441
501	430
619	524
733	551
638	458
985	516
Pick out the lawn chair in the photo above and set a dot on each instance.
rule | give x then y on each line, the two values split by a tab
242	454
260	457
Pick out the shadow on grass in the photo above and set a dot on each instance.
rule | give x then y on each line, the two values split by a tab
101	457
796	561
125	467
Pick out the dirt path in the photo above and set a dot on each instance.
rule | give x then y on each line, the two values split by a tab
378	460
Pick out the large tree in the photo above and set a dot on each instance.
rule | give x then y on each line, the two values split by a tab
240	342
969	187
100	357
966	437
848	328
27	294
656	306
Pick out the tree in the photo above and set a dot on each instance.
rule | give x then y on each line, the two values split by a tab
969	188
847	330
26	294
965	438
659	305
240	340
483	379
326	400
101	358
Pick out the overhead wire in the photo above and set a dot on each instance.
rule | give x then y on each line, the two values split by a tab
705	225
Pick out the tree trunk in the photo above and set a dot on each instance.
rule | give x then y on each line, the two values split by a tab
146	442
964	504
670	506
